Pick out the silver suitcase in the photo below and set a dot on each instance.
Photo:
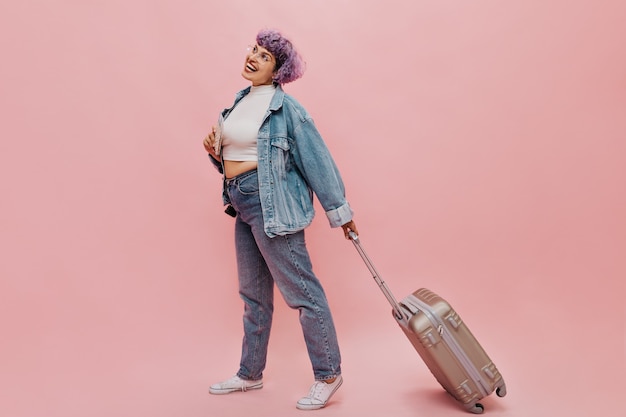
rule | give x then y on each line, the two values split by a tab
444	342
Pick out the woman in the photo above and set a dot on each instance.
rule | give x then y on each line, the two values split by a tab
273	160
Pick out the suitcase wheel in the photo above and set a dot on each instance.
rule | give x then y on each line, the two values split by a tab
501	391
477	408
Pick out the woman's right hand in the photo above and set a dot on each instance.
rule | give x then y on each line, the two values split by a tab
209	142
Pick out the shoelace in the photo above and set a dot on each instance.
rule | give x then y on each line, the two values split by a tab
317	389
244	385
235	379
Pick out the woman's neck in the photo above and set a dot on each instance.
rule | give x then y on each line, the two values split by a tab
262	88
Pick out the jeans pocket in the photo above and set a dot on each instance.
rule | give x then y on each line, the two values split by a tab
249	185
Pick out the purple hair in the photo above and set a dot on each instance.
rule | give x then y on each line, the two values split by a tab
289	64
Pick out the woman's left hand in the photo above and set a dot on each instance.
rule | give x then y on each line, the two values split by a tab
348	227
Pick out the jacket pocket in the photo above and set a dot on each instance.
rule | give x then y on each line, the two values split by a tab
280	157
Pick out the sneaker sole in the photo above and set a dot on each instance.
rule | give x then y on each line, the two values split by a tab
318	406
218	391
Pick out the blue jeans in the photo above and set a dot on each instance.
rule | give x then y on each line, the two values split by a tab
284	260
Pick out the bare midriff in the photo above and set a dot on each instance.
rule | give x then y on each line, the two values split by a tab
234	168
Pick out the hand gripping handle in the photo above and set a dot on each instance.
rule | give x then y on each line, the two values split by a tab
397	311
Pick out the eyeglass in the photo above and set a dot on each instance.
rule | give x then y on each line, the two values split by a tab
253	50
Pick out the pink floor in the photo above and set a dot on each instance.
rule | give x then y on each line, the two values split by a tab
560	352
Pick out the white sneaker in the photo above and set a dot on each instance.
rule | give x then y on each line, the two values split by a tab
319	395
235	384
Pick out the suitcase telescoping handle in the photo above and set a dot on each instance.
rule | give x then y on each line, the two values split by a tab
397	311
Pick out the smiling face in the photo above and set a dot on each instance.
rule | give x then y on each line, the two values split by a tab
259	66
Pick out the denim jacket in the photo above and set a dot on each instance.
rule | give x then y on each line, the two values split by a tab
293	164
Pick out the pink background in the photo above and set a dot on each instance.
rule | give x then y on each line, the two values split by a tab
482	143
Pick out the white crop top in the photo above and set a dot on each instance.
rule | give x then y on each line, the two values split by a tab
241	128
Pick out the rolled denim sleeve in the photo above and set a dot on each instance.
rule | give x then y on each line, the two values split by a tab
340	216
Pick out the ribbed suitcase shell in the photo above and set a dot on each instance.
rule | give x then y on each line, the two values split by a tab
449	349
